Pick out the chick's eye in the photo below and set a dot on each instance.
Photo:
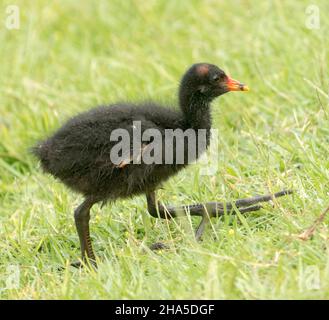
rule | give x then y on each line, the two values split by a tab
215	78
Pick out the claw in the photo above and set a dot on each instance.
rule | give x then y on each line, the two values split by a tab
158	246
85	263
77	264
200	229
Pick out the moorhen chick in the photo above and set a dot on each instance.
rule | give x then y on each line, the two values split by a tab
79	153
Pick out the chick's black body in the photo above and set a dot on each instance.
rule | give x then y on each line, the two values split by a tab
79	153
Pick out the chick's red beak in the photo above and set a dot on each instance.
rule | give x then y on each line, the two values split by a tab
234	85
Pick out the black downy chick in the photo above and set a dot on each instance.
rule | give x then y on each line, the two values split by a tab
79	153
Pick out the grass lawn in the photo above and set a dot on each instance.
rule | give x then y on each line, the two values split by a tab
69	56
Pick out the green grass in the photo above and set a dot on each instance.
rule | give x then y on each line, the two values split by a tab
68	56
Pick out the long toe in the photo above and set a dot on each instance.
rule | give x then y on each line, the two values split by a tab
158	246
77	264
90	263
